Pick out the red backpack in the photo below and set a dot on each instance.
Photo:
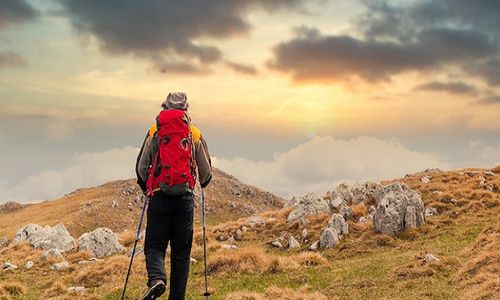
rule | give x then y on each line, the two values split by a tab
173	170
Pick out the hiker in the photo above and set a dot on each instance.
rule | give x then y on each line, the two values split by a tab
166	169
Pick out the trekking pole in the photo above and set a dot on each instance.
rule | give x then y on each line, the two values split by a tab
135	245
203	217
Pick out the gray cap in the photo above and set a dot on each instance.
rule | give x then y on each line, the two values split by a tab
176	100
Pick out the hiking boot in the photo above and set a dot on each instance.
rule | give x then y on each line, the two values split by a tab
155	290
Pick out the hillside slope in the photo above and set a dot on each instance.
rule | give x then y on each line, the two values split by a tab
117	205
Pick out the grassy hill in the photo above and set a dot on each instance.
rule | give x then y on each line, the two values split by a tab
464	236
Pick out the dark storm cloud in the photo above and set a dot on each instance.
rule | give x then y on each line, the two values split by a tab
489	70
11	59
242	68
448	87
166	32
397	38
15	11
312	56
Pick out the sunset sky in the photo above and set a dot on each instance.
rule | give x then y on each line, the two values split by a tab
292	96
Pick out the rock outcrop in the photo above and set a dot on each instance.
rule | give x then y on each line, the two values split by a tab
338	223
46	237
310	204
400	208
101	242
328	238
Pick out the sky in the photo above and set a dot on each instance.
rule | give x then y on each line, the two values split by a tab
292	96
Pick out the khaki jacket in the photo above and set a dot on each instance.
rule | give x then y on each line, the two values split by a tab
149	148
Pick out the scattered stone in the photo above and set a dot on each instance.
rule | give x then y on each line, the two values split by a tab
310	204
425	179
328	238
255	221
238	235
231	240
193	260
229	247
488	174
372	210
277	244
303	221
366	191
293	243
114	204
428	258
47	237
338	223
29	265
89	261
346	212
10	206
304	234
101	242
489	187
76	289
431	211
401	208
60	266
3	242
51	253
341	195
7	266
244	228
314	246
362	220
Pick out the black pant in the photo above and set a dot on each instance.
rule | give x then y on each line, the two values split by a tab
169	219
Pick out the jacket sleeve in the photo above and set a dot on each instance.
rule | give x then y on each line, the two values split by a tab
203	162
144	160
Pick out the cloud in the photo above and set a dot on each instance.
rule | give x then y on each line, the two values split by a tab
11	59
447	87
393	37
493	99
86	169
16	11
242	68
323	162
313	56
489	70
167	33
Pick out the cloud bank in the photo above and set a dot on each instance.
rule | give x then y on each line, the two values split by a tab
323	162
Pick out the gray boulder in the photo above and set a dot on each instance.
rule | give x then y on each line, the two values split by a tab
341	196
328	238
7	266
314	246
310	204
401	208
431	211
366	191
338	223
47	237
60	266
29	265
51	253
101	242
293	243
346	212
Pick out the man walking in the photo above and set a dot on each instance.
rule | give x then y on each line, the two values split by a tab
172	156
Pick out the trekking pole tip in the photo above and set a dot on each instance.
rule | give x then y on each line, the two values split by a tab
206	294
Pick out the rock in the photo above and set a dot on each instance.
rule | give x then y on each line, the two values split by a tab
428	258
425	179
400	208
310	204
277	244
193	260
89	261
76	289
304	234
410	217
341	195
228	247
7	266
238	235
255	221
231	240
244	228
431	211
336	202
101	242
372	210
4	242
362	220
303	221
489	187
60	266
29	265
47	237
328	238
314	246
489	174
293	243
114	204
365	191
51	253
338	223
346	212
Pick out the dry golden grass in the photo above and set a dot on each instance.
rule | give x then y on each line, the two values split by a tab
95	275
127	238
309	259
57	289
359	210
496	170
20	253
11	288
78	256
277	293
